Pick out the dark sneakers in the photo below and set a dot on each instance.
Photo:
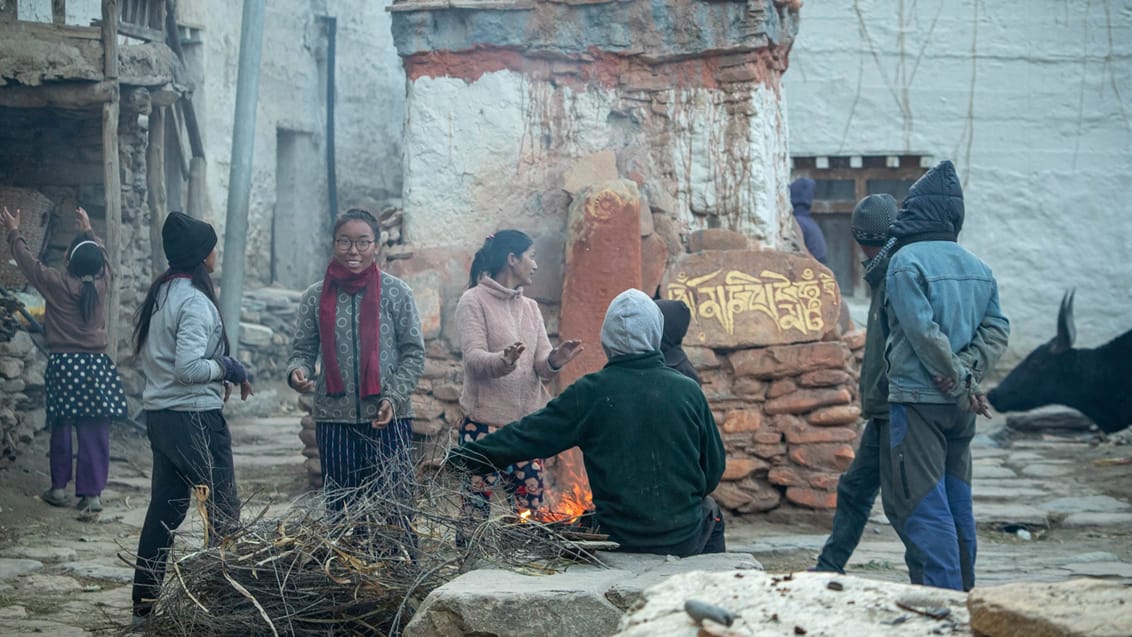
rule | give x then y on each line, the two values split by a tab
56	497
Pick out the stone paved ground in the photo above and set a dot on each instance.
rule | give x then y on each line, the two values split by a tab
60	575
1076	513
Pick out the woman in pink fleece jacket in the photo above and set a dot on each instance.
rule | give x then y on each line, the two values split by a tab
507	358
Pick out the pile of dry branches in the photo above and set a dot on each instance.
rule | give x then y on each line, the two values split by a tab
360	570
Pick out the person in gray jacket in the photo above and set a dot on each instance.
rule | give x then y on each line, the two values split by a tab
183	349
364	325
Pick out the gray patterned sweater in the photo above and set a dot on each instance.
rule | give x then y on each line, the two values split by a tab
402	352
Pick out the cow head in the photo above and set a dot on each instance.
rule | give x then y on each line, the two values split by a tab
1040	379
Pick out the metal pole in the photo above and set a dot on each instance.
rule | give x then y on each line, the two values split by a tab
240	177
331	171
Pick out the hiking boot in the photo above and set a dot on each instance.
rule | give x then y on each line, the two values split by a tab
91	503
56	497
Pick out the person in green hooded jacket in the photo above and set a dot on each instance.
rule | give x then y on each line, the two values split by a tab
649	442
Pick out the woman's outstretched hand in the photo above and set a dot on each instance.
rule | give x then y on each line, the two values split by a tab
513	352
564	353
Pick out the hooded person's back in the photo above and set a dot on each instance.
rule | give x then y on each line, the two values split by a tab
933	206
632	325
938	292
802	199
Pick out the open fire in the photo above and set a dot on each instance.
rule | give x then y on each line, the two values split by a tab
568	494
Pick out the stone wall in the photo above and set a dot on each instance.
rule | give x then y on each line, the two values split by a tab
789	419
267	321
22	366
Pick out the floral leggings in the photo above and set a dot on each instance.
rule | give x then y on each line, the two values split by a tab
522	481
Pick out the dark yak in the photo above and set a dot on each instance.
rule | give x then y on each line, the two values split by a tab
1096	382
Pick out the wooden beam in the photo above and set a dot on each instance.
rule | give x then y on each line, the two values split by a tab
109	26
70	95
164	95
112	187
59	11
111	179
137	31
50	31
155	185
195	205
172	32
182	154
141	32
193	128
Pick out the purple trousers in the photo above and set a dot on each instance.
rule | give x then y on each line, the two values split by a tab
94	456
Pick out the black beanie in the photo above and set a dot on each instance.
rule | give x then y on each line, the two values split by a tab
872	218
187	241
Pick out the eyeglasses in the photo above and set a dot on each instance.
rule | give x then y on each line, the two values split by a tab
344	244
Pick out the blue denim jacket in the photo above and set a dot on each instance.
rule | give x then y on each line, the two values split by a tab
938	295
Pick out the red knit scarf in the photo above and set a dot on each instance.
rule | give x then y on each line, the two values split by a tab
339	278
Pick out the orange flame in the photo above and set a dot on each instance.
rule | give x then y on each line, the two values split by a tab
568	493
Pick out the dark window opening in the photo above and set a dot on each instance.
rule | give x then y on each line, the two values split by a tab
835	189
842	181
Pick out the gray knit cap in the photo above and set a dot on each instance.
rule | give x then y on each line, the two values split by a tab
872	218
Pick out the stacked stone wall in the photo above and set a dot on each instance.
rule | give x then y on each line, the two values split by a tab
780	378
21	387
789	419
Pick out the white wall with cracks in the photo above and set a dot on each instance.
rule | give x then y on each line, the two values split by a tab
1032	100
493	151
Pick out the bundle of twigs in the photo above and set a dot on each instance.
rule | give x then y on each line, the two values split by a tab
360	570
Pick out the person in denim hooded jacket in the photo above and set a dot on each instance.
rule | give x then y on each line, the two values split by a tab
938	296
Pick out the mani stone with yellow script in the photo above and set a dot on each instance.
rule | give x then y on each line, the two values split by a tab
742	298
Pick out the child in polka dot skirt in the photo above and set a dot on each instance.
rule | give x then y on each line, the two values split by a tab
84	391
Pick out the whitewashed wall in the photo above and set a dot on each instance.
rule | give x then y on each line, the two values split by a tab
1031	99
475	156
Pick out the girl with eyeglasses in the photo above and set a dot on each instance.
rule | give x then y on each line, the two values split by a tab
363	324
